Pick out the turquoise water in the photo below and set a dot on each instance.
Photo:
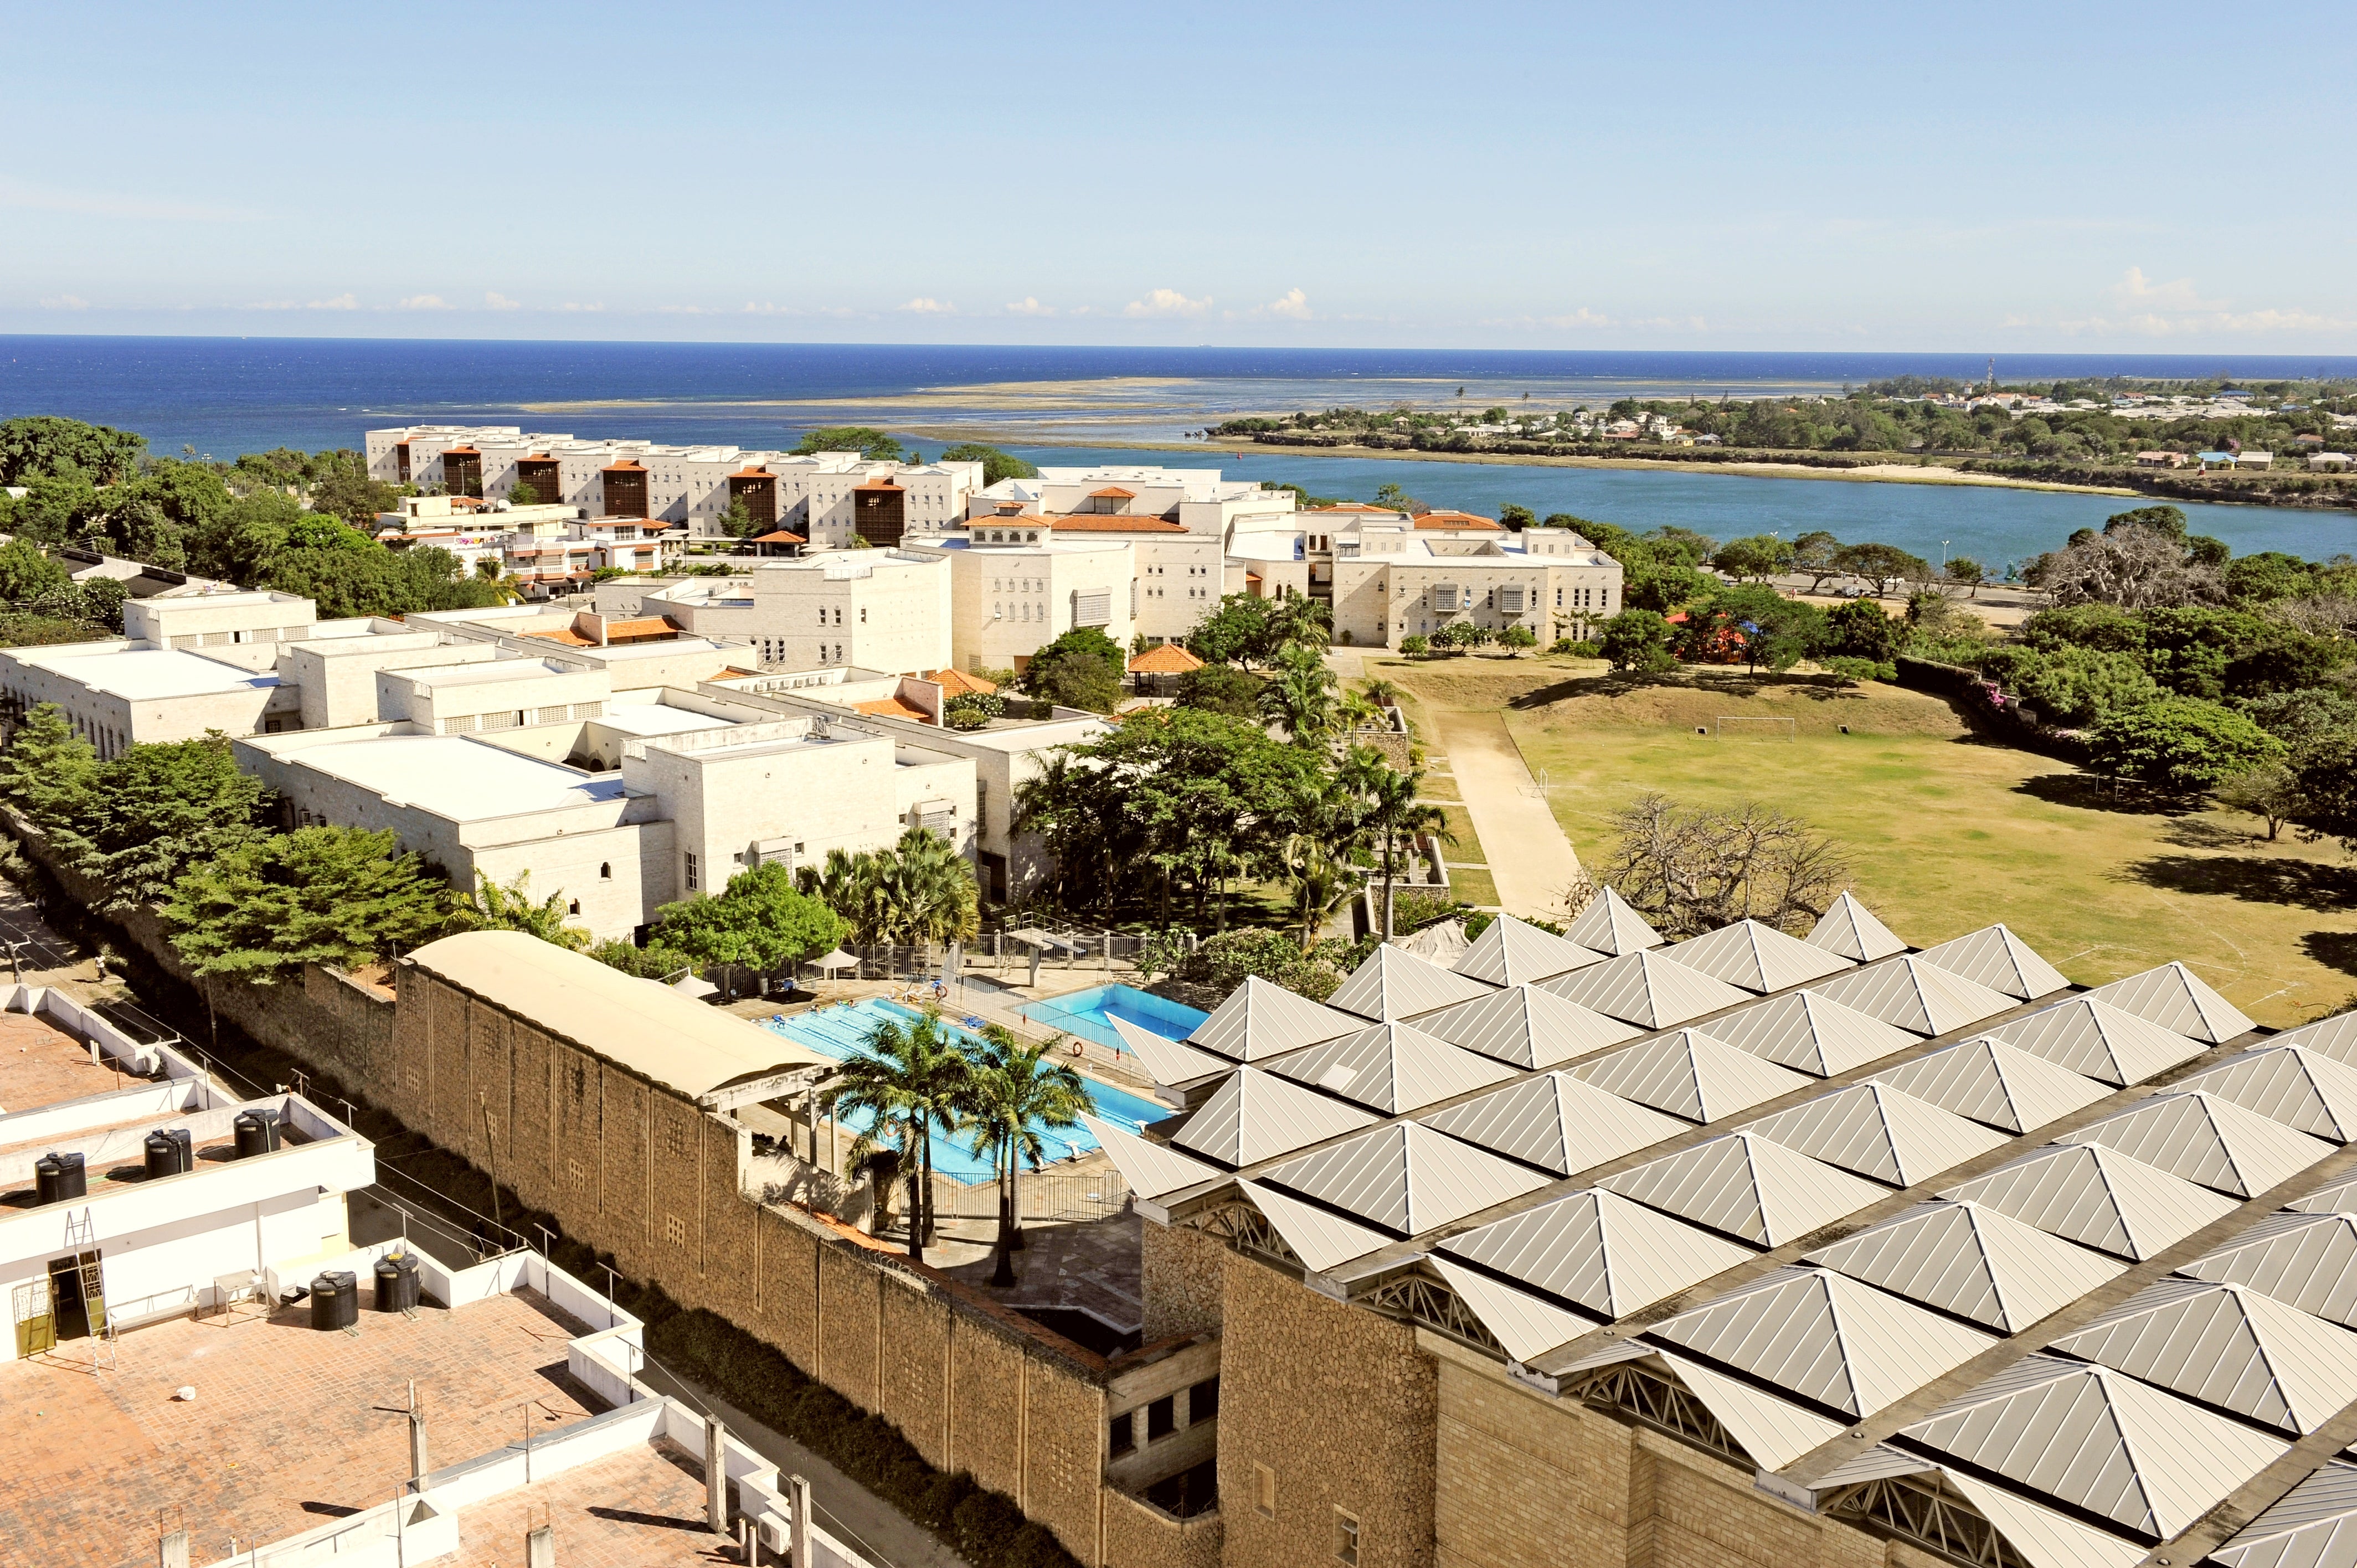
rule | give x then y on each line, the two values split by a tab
843	1030
1090	1014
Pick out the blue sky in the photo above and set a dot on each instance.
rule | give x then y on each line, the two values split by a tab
2127	178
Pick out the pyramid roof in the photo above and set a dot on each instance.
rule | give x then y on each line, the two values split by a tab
1171	1063
1609	926
1972	1261
2291	1084
1262	1019
1395	983
1406	1179
2304	1261
1825	1337
1993	956
1392	1068
2098	1040
1810	1032
2340	1198
1992	1082
1514	952
2335	1036
1256	1116
2099	1441
1600	1250
1916	996
1774	1431
1527	1027
2314	1525
1525	1325
1742	1185
1556	1122
1878	1132
2174	997
1150	1168
1691	1074
2098	1198
1320	1239
1756	957
1645	989
2227	1346
1848	927
2046	1538
2208	1141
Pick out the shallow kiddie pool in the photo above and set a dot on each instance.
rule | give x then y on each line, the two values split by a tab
1090	1014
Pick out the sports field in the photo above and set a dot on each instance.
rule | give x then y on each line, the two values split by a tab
1946	833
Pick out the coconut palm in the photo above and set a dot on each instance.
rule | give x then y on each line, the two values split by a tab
1382	692
1389	806
927	892
491	907
1014	1092
908	1076
1323	881
1301	696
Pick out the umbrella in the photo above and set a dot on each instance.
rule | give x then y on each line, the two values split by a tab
838	960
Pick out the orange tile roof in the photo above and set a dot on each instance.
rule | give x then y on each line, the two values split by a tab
567	636
1464	520
1169	659
1112	492
1351	506
629	463
1110	523
732	673
957	683
461	452
645	626
893	708
877	485
752	474
777	536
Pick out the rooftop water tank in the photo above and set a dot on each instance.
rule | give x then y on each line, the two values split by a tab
335	1299
57	1177
170	1152
257	1132
397	1282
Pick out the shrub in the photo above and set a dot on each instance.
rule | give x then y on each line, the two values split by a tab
2181	745
1415	645
2070	684
1853	669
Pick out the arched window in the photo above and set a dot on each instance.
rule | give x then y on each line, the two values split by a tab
605	871
573	907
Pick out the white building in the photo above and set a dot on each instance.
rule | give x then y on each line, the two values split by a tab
1010	599
877	609
1391	581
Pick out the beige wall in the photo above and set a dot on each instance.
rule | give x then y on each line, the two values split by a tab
1009	600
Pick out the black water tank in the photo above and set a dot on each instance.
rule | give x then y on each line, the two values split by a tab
57	1177
257	1132
170	1152
397	1282
335	1299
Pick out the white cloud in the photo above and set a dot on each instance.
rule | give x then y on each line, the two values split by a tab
687	311
1294	304
423	302
766	309
494	300
2178	294
1166	302
922	306
1583	316
571	306
65	302
340	302
1028	305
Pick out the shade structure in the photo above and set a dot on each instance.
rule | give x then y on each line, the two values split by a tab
1600	1250
1774	1431
1172	1064
833	961
2229	1345
2291	1084
1557	1123
1524	1326
1609	926
1970	1261
1849	927
1515	953
1757	957
2305	1261
1150	1168
1812	1034
1993	956
1999	1085
1320	1239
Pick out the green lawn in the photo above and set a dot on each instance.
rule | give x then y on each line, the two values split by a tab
1946	833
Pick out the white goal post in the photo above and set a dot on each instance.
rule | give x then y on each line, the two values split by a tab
1754	727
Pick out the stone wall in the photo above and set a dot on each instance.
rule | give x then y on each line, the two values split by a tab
1183	1273
1137	1534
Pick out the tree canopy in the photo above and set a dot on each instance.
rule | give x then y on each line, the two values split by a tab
865	440
760	922
338	896
1080	669
996	465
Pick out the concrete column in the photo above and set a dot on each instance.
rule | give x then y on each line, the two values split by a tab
798	1497
172	1552
540	1548
715	1476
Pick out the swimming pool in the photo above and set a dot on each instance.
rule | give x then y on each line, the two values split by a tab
1089	1014
838	1031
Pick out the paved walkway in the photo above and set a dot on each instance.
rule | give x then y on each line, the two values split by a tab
1529	859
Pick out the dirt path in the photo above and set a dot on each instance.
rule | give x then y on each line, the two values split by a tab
1529	859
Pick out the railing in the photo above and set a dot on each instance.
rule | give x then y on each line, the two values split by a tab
1053	1198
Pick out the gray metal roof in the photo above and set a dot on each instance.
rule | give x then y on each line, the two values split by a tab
1813	1033
1525	1325
1848	927
2228	1346
1171	1063
1150	1168
1691	1074
1993	956
1527	1027
1916	996
2291	1084
1600	1250
1992	1082
2098	1198
1756	957
1392	1068
1395	983
2208	1141
1557	1123
1514	952
1972	1262
1645	989
2340	1198
1877	1131
1319	1238
2176	998
2097	1040
2046	1538
2314	1525
1262	1019
1609	926
2099	1441
1744	1186
1406	1179
2305	1261
1774	1431
1825	1336
1255	1116
2335	1036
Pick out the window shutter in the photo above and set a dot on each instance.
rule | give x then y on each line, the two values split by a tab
1092	609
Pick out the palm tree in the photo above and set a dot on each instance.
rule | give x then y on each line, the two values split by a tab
1301	697
927	892
1382	692
1323	881
1388	799
908	1076
1014	1092
850	885
491	907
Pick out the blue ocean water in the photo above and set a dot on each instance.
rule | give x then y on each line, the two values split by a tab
225	396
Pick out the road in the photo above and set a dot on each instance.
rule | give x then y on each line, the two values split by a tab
1529	859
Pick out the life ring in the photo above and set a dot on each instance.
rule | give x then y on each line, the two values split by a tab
1076	1047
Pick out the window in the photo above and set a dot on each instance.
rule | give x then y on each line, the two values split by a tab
863	614
606	871
1162	1417
692	883
1346	1537
1203	1401
575	907
1125	1438
1264	1491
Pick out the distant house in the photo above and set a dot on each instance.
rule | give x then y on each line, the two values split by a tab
2210	460
2252	457
2160	460
2329	460
2308	439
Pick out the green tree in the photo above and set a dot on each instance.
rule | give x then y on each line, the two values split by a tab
1414	645
928	892
1220	689
522	493
149	814
908	1077
336	897
865	440
1881	564
995	465
1758	557
46	771
1301	697
2179	745
45	446
26	572
493	908
1388	804
1518	640
653	961
760	922
1323	880
1080	669
1517	517
2073	686
737	522
1237	631
2268	790
2326	777
1860	628
1013	1092
1813	552
1966	574
1637	641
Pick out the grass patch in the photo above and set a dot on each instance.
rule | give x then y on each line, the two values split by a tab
1472	887
1469	843
1436	788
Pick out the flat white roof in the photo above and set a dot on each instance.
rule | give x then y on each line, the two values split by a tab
457	776
660	718
492	670
145	674
655	650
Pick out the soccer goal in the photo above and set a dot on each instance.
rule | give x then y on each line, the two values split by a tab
1754	727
